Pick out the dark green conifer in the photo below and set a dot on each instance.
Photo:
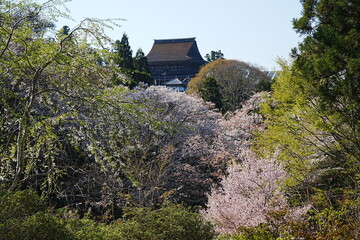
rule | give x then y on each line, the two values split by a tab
123	57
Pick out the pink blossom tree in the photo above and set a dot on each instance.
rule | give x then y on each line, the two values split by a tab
249	194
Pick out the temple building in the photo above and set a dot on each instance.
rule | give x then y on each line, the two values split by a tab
174	61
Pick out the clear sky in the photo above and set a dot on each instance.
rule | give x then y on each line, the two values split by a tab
254	31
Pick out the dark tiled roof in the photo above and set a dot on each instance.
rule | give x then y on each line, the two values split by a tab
168	50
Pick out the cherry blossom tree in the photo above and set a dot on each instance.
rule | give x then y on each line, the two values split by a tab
237	129
249	195
187	131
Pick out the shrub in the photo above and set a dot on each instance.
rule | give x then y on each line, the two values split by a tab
83	229
18	205
261	232
22	217
40	226
335	224
172	222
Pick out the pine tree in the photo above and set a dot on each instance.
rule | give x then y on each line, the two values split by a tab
214	55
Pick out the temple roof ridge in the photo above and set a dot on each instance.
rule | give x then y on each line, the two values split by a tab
174	40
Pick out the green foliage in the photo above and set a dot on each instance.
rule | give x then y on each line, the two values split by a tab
123	57
287	124
19	205
312	119
195	83
135	68
64	31
307	139
214	55
171	222
263	85
140	61
315	108
142	69
210	92
329	223
89	229
40	226
22	217
141	79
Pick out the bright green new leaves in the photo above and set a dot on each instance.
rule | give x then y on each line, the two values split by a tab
308	139
288	124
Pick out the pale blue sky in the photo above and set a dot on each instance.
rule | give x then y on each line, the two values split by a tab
255	31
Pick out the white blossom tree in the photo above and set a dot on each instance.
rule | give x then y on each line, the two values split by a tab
192	163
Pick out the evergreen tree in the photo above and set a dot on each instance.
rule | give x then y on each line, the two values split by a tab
123	57
210	91
64	31
136	69
214	55
329	56
141	69
140	62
